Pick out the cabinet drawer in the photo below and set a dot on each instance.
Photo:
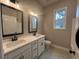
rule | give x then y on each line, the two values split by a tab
24	55
16	52
34	45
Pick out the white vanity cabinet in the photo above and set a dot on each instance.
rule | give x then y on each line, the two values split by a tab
41	45
21	53
31	49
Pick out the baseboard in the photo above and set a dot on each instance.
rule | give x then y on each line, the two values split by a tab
60	47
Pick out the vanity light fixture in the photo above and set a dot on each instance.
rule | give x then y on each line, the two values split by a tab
7	1
32	13
14	1
17	4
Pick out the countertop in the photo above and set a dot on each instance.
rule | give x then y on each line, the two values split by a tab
9	45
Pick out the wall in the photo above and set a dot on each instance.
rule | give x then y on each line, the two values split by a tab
31	6
59	37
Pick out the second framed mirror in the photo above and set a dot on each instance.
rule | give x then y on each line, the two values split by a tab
32	24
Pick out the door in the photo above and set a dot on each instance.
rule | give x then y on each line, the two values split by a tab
41	46
34	52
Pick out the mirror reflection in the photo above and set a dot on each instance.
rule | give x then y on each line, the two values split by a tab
33	24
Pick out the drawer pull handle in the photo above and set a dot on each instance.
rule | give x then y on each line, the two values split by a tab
42	43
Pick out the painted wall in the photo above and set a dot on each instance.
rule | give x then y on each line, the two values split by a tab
59	37
28	7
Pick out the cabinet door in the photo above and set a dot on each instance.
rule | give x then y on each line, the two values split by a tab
27	55
34	53
23	55
41	46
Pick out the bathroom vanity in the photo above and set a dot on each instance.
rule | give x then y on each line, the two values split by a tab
26	47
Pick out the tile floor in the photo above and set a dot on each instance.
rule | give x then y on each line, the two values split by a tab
54	53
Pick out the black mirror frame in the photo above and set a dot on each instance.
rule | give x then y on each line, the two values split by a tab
2	21
29	21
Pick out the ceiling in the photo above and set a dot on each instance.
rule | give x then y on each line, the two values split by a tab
47	2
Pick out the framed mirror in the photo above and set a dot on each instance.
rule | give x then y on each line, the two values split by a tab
32	24
12	21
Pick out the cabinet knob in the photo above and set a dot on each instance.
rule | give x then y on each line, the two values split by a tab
42	43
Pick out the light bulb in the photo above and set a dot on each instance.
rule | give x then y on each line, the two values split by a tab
7	1
17	4
32	13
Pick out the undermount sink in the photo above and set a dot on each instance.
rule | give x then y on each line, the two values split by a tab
37	35
14	43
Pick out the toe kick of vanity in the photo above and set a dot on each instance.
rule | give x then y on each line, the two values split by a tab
31	49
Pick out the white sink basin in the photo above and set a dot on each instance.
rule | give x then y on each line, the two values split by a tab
14	43
37	35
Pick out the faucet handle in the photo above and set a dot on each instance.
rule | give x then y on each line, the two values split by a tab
14	38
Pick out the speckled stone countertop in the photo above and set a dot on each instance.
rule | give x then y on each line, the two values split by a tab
9	45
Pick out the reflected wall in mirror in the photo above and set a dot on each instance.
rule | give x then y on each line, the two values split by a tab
33	24
12	21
